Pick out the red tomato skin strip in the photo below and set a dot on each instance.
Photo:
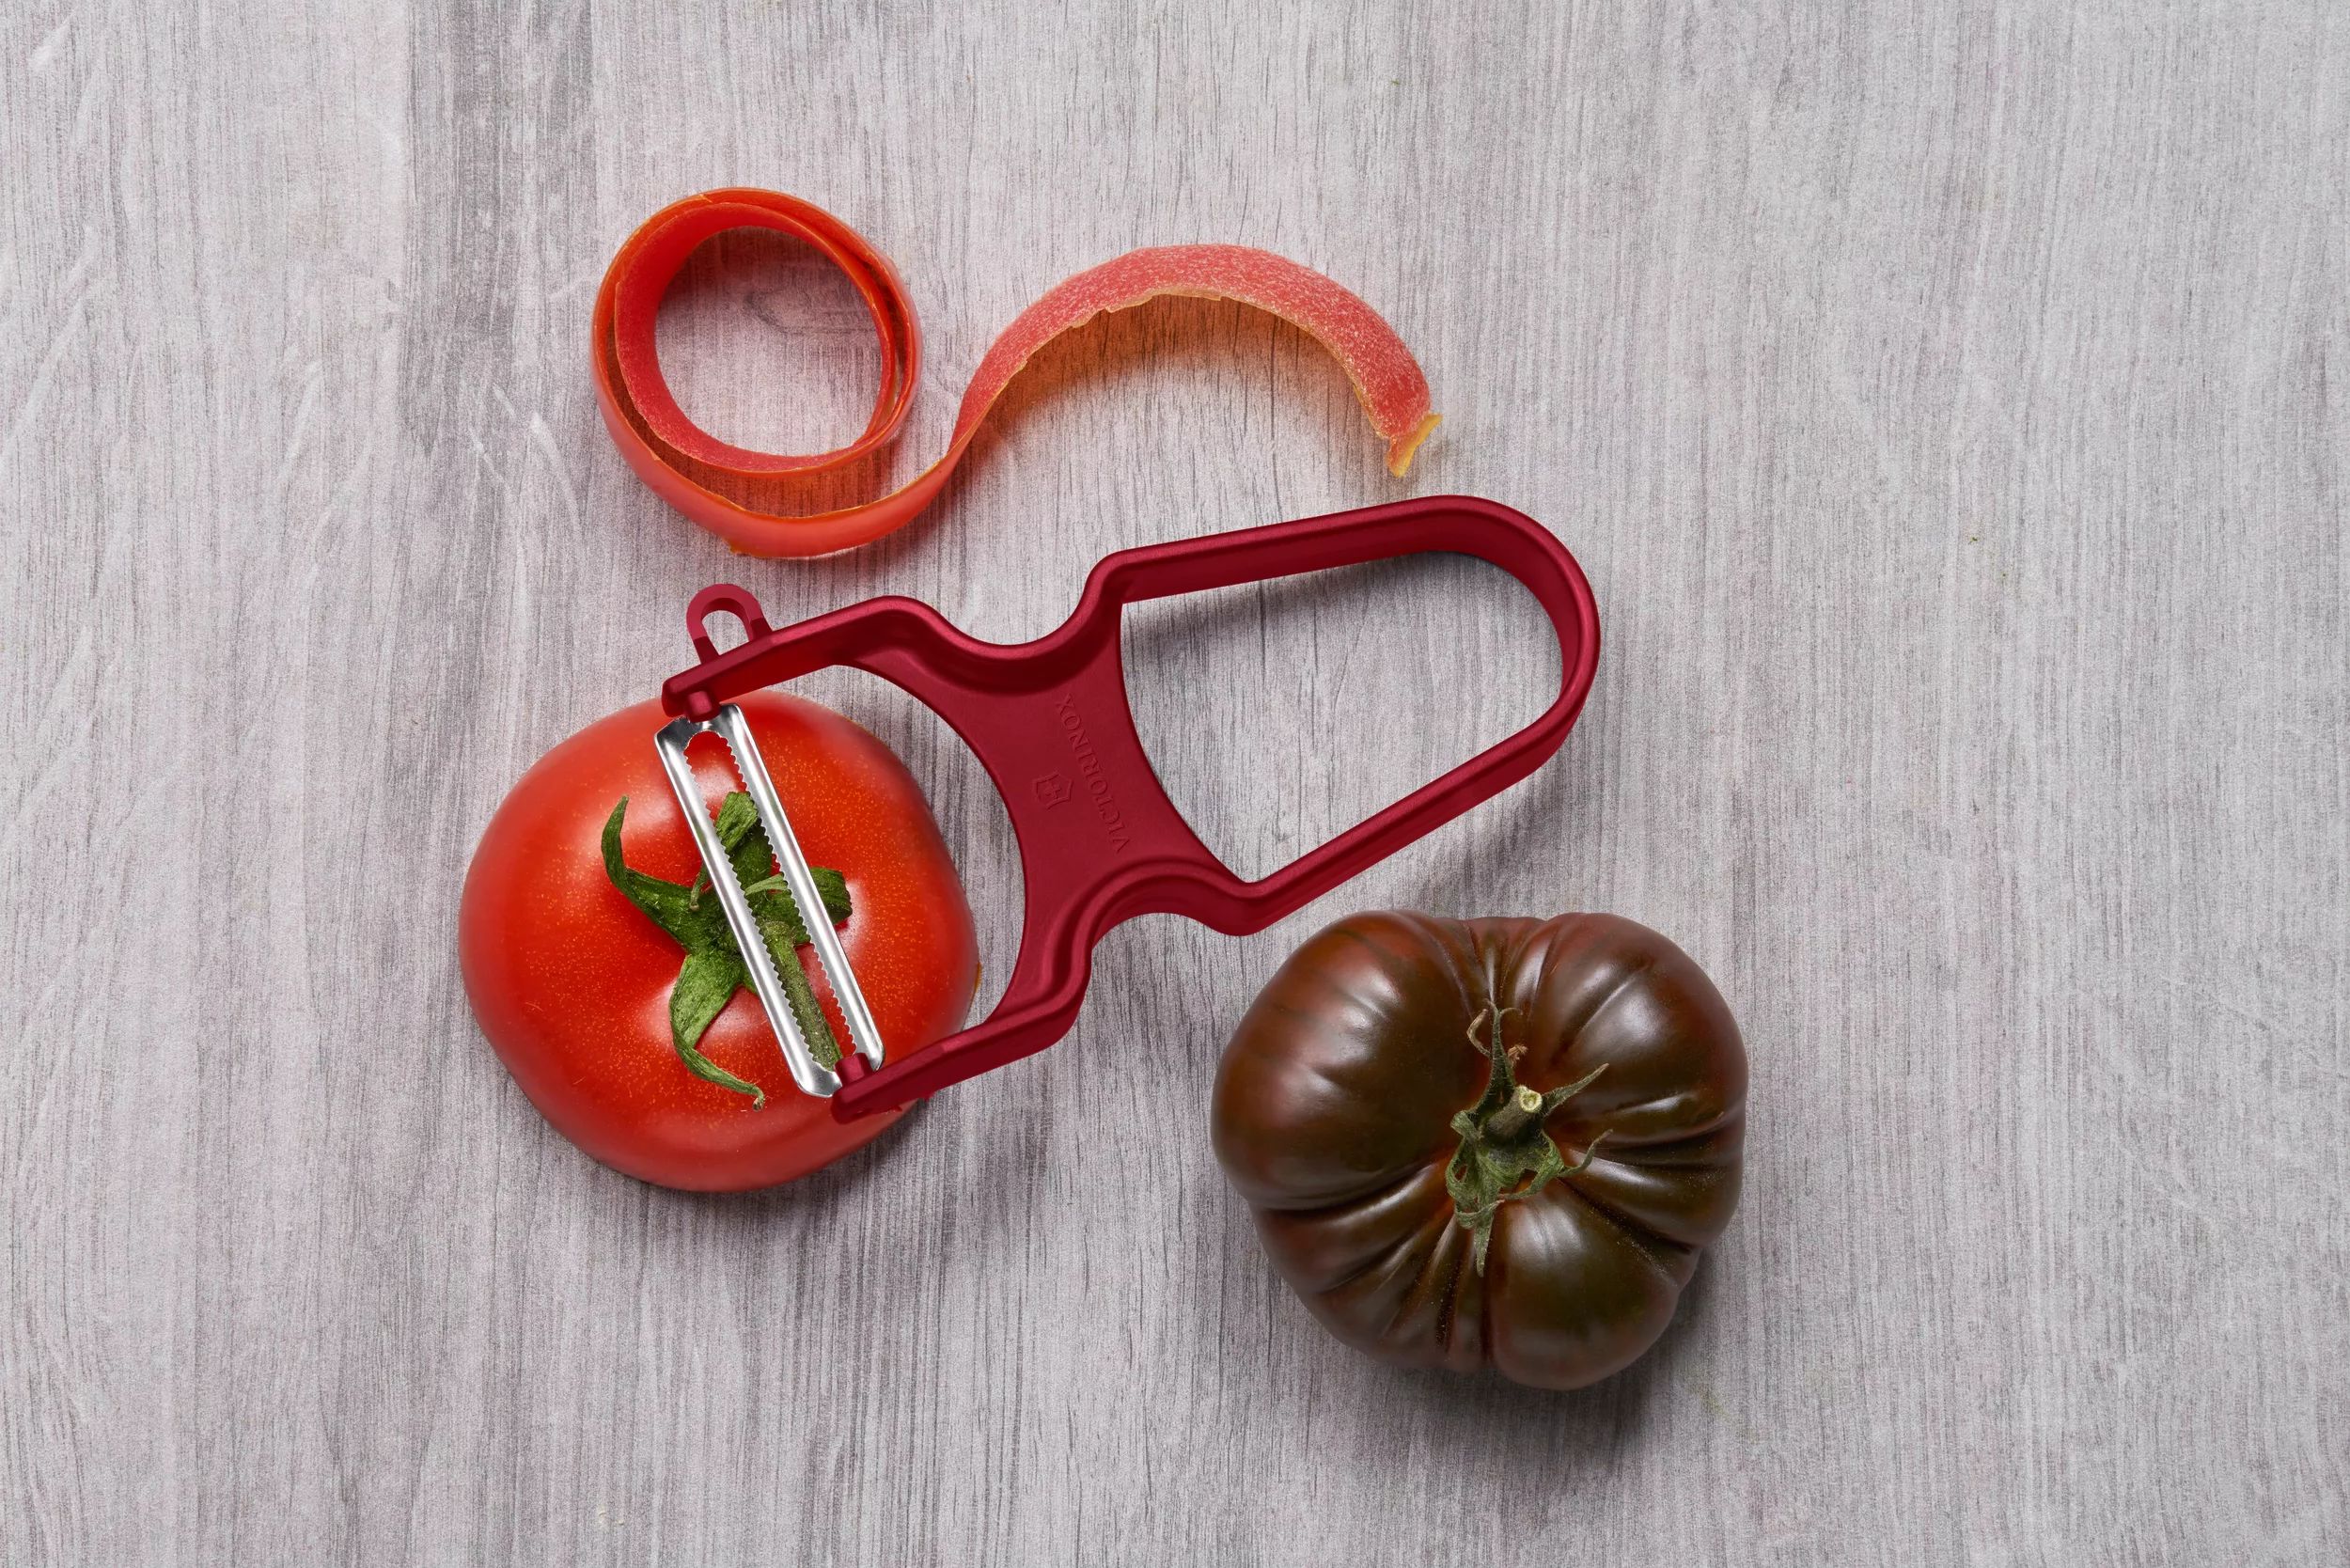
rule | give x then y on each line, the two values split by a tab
676	457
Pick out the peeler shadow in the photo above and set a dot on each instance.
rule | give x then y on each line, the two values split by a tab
1485	867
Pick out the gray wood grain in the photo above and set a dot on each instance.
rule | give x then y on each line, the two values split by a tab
1947	402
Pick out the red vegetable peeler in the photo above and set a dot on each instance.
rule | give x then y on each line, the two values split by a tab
1100	842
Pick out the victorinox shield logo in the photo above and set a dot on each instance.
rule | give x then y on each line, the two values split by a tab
1052	789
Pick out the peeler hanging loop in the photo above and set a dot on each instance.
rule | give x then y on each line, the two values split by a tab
737	601
1100	842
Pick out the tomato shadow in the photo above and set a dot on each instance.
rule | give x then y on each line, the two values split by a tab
1609	1415
1535	1443
911	1190
818	1194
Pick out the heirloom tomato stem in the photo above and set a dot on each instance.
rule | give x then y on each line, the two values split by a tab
1506	1152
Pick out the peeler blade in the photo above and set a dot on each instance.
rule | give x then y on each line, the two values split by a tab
734	732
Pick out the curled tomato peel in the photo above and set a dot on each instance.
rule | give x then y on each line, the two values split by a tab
690	468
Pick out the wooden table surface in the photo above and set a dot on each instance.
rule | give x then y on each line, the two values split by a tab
1948	403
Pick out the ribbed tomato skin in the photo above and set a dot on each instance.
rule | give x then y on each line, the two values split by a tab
1332	1117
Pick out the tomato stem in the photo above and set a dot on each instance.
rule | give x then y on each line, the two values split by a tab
1509	1123
1506	1151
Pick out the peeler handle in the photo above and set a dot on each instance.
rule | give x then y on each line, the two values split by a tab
1456	523
1100	842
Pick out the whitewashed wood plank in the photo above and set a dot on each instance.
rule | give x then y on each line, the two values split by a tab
1945	400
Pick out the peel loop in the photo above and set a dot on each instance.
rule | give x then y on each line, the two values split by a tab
686	465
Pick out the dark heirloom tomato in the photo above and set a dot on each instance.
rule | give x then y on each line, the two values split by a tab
1339	1109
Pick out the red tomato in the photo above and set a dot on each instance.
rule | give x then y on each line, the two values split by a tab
571	981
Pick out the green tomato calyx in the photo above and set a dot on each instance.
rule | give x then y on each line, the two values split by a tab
713	971
1506	1152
